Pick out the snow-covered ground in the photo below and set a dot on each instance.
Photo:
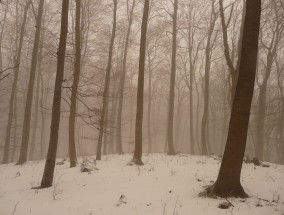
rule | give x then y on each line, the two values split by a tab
164	185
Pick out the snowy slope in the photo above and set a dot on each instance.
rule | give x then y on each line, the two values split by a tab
164	185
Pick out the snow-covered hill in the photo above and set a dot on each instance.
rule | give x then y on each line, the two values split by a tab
164	185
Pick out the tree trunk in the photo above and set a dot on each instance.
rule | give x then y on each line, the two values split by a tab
228	181
74	89
171	150
107	81
42	132
122	80
137	157
205	117
29	100
14	88
149	106
37	101
261	112
47	178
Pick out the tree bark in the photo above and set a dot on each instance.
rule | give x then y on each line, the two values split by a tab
47	178
228	181
137	157
171	150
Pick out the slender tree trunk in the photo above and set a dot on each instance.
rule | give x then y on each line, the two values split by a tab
191	112
107	81
137	157
228	181
47	178
1	38
149	107
261	111
74	89
42	132
122	80
172	84
37	101
14	88
205	117
29	100
197	117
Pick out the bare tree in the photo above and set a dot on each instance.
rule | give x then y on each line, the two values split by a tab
47	178
228	181
28	107
14	86
107	81
172	84
208	53
74	89
122	79
137	157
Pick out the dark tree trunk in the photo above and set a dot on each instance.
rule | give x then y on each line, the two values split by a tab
47	178
14	88
228	181
171	150
74	89
137	157
29	100
107	81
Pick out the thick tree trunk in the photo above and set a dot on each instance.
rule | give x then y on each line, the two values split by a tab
107	81
137	157
171	150
47	178
228	181
29	100
14	88
74	89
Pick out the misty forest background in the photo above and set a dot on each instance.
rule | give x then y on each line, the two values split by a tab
208	41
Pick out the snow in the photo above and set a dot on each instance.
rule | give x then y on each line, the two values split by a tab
166	185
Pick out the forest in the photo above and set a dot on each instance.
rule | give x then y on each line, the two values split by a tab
142	107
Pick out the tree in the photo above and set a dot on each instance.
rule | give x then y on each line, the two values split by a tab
28	107
74	89
233	70
47	178
14	86
228	181
275	31
172	84
107	81
122	79
137	157
208	53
